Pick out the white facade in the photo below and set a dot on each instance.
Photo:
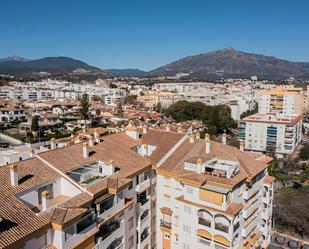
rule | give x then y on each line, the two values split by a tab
277	135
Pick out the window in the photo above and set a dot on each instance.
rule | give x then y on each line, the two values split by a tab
130	185
131	242
131	223
69	232
187	209
189	190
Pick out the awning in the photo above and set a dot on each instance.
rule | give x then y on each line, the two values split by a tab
221	240
204	234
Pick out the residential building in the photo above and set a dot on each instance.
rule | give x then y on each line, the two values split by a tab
12	113
103	192
94	194
210	195
286	100
276	134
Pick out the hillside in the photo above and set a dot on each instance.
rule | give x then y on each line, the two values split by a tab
232	63
127	72
55	66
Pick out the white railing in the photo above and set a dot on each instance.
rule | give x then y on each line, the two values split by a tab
143	186
113	209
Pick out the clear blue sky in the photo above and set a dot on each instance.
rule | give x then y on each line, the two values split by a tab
149	33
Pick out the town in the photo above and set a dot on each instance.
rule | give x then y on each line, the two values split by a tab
154	124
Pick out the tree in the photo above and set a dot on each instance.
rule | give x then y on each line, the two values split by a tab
158	107
291	210
119	109
304	152
84	108
216	118
35	123
249	112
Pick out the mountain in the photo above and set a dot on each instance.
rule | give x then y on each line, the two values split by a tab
54	66
13	58
232	63
127	72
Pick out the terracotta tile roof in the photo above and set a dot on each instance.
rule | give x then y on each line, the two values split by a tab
269	180
34	172
63	215
249	166
163	141
31	173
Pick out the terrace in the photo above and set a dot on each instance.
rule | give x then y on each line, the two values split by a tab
87	174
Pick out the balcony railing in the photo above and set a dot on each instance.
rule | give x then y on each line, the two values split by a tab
108	229
166	224
221	227
204	222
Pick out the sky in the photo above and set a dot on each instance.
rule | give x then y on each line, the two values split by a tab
146	34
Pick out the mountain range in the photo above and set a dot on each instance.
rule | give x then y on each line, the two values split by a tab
226	63
48	66
230	63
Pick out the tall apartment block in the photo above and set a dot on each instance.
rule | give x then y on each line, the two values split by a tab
277	128
286	100
141	188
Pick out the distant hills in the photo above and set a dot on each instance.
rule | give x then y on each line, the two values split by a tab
225	63
13	58
48	66
127	72
230	63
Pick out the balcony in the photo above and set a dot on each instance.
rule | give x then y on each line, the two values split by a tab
83	227
143	186
111	235
221	227
250	225
107	210
250	209
166	224
204	222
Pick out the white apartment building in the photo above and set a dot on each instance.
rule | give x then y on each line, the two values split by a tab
276	134
12	113
286	100
103	193
277	128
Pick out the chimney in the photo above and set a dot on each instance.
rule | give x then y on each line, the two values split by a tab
207	141
14	176
224	138
85	150
192	139
96	136
53	143
45	195
145	129
242	146
199	168
168	127
91	141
